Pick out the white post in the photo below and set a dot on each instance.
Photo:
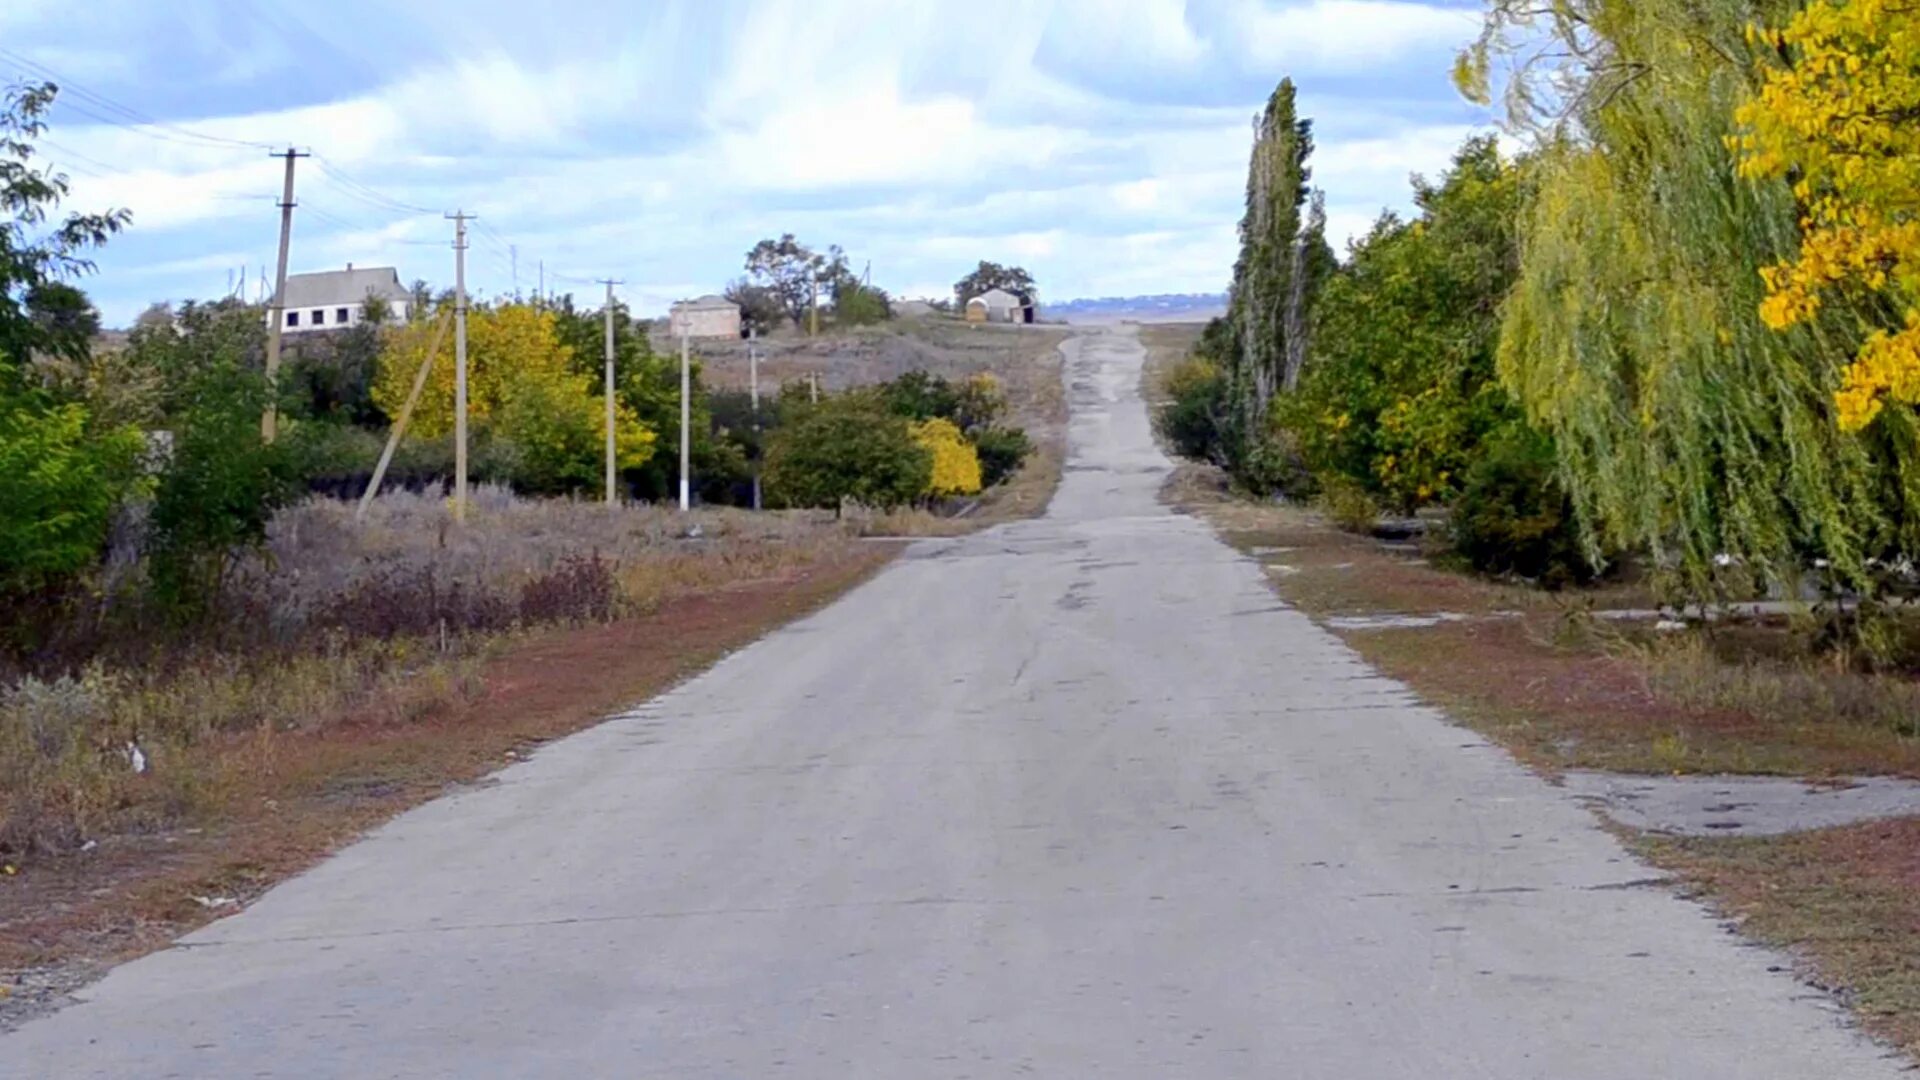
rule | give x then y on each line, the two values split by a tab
460	366
753	384
609	392
686	422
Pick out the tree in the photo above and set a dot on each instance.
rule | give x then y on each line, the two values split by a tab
1840	117
1283	255
527	387
855	304
1683	426
36	253
1401	387
179	347
761	309
63	470
848	447
789	271
61	478
989	276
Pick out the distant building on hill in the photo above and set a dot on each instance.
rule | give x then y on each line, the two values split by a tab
999	306
337	299
707	317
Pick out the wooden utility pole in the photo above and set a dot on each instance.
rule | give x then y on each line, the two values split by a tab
753	390
277	313
400	423
460	219
686	422
610	283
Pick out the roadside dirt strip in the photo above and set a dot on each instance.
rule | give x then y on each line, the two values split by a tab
1069	797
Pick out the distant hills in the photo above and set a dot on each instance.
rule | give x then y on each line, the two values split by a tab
1164	307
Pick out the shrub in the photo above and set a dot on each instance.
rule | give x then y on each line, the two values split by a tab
847	447
218	491
60	483
58	764
1513	517
1192	419
956	465
1002	451
918	395
1348	505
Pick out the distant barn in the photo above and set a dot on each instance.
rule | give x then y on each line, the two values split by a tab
999	306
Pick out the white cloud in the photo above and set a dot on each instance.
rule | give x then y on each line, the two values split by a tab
1346	35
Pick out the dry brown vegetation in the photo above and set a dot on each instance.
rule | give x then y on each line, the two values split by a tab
289	795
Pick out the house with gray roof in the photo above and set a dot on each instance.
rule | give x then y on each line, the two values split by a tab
336	299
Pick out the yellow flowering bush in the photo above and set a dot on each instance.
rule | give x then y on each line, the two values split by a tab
956	465
1842	120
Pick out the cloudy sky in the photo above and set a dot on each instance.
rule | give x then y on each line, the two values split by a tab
1100	143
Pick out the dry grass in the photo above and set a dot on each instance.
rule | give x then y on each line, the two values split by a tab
1845	901
292	795
384	621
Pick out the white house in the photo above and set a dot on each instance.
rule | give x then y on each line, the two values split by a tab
335	299
707	317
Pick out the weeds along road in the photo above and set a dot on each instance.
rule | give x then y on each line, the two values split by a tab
1075	797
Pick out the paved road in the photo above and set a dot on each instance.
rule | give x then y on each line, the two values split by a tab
1072	798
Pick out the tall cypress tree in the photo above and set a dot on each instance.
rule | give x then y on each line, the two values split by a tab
1270	287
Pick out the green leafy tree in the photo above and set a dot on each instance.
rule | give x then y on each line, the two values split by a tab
1684	426
1283	254
849	446
219	489
855	304
38	248
63	470
1401	389
991	275
790	272
761	309
61	480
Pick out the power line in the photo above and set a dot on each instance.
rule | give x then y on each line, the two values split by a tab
132	119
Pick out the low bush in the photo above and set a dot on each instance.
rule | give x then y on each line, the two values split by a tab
1002	451
1348	505
1512	516
1192	418
955	466
847	447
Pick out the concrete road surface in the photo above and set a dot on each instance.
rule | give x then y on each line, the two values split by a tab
1076	797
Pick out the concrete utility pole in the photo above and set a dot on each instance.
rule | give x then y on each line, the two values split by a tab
277	314
540	297
753	390
686	423
460	219
813	290
610	283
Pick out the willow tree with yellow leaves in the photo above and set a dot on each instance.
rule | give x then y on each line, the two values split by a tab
1685	427
525	395
1839	116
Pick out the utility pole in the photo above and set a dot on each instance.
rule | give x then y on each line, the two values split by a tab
686	423
813	387
813	289
541	296
460	219
513	257
277	314
753	389
610	283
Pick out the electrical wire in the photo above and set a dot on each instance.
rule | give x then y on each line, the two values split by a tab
130	119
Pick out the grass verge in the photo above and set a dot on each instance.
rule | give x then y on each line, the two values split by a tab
1845	902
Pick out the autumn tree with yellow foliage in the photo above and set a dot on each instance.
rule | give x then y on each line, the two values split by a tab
1840	118
523	389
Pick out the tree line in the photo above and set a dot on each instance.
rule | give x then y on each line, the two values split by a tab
1679	328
